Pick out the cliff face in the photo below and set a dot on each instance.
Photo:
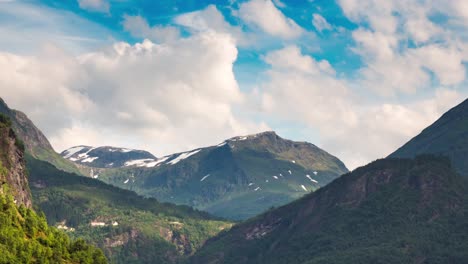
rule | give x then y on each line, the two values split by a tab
12	164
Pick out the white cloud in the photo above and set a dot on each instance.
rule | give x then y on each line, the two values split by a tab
265	15
320	23
403	50
299	89
211	19
139	27
95	5
164	98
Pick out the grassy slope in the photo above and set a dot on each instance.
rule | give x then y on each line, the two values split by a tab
226	192
149	231
391	211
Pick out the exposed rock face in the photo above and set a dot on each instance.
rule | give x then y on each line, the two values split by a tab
13	168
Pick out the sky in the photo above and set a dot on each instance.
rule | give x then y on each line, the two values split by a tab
358	78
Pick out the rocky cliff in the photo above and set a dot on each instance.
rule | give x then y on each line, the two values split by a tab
12	165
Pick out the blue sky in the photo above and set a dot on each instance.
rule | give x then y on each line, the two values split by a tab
357	78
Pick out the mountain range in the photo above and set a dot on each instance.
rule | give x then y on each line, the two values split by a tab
394	210
411	207
238	178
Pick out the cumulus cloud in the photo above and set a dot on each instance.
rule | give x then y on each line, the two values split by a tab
161	97
211	19
320	23
306	91
139	27
266	16
95	5
402	48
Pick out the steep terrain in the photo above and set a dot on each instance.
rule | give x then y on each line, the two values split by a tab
390	211
107	157
237	179
129	228
25	236
448	136
35	142
13	173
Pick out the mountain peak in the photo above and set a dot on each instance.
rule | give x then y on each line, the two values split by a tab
445	137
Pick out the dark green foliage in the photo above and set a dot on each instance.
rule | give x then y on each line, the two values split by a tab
448	137
5	120
26	238
390	211
147	232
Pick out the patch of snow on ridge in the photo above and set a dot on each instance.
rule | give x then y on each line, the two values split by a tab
256	189
290	172
157	162
315	173
276	177
303	187
183	156
204	177
293	161
71	151
139	162
124	150
250	184
126	181
90	159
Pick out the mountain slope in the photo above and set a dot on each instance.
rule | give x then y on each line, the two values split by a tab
237	179
129	228
390	211
35	142
448	136
107	157
24	235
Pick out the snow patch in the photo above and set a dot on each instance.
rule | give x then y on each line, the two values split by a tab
125	150
90	159
71	151
303	187
266	181
310	178
290	172
157	162
183	156
204	177
125	182
250	184
293	161
139	162
256	189
276	177
315	173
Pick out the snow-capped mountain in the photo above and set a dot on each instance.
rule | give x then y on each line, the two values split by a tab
237	178
108	157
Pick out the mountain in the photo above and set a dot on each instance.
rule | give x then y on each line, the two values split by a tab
25	236
236	179
35	142
448	136
106	157
127	227
390	211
